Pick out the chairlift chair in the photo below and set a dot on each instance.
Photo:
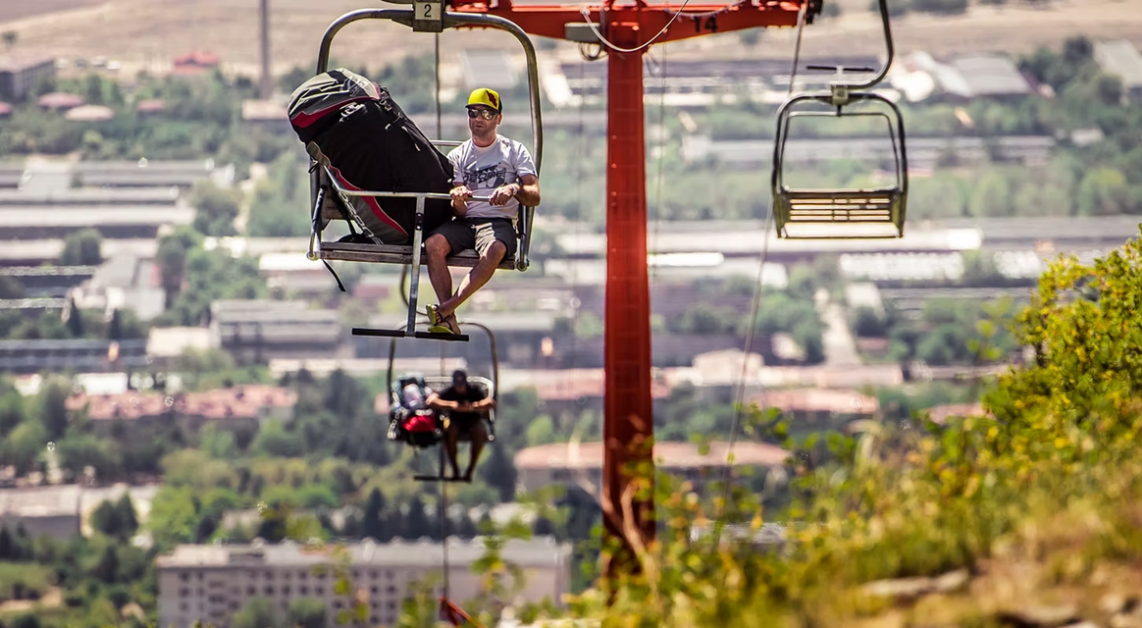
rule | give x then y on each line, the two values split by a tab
438	383
843	213
429	17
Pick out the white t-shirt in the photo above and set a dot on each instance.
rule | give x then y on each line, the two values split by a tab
485	169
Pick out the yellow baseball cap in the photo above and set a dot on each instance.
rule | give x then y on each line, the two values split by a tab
486	97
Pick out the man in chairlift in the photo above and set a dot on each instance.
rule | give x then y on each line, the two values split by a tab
465	405
485	165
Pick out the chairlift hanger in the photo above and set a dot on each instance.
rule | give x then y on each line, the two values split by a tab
839	213
439	383
426	17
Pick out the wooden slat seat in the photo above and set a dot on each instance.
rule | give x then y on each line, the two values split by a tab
841	205
830	210
397	254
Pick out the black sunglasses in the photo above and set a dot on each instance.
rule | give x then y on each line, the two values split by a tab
486	114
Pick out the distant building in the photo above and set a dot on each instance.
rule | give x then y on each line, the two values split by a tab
964	78
10	175
124	282
150	107
991	76
90	113
1120	58
54	511
143	174
122	222
237	408
257	331
84	355
20	75
195	63
266	114
59	101
818	408
566	463
212	582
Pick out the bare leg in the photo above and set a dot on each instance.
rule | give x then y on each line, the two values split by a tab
438	248
479	437
450	439
476	279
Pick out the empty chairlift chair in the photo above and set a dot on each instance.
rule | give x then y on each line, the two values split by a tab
802	213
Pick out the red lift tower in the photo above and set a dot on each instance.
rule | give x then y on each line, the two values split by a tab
625	32
628	31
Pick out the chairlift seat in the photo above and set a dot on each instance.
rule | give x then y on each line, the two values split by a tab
839	207
399	254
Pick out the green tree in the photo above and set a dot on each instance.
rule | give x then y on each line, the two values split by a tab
306	613
82	248
172	253
215	209
75	321
1104	191
105	518
416	522
10	288
12	413
992	195
128	520
24	445
53	404
115	327
466	528
7	545
499	472
93	89
258	613
9	38
107	568
374	523
866	323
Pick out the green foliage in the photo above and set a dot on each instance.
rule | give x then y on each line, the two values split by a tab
257	613
866	323
116	519
82	248
306	613
279	208
23	581
215	208
1046	479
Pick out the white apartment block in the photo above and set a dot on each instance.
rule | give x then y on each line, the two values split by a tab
212	582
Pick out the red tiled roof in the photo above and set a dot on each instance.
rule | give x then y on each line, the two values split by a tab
817	400
578	383
672	455
199	58
939	414
224	403
150	106
59	100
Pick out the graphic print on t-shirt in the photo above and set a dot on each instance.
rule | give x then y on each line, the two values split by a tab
478	177
485	169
